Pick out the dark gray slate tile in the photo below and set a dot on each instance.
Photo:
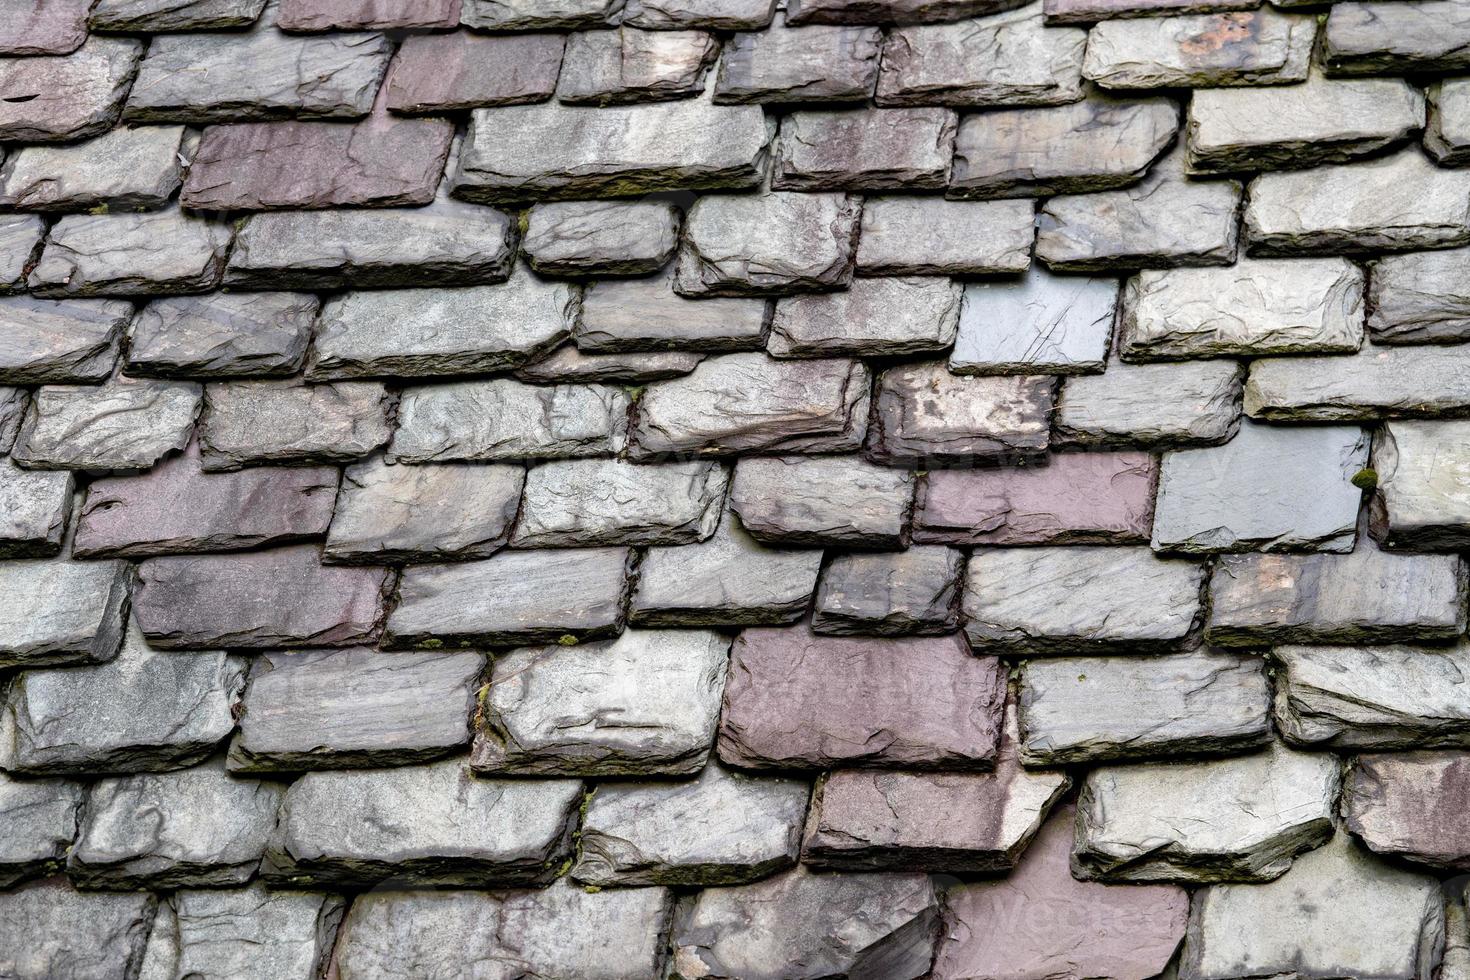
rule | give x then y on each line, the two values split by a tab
1258	47
1375	38
925	414
62	612
38	820
59	99
927	236
874	318
246	932
632	315
458	71
581	503
723	15
1447	137
630	65
1089	11
603	238
1398	804
800	64
253	422
20	243
775	244
1378	382
865	149
157	253
150	16
12	410
1190	403
503	419
222	335
567	364
1421	501
48	27
1420	297
50	931
530	15
124	425
1039	324
891	593
47	341
129	168
325	15
822	501
891	11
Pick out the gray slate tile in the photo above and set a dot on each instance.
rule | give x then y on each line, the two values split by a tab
62	612
891	11
461	70
38	821
1447	137
1090	11
725	15
60	99
129	168
250	933
874	318
890	593
51	932
249	423
865	149
149	16
1376	38
529	15
1377	382
503	419
925	414
628	65
49	341
222	335
602	238
567	364
1259	47
1420	297
774	243
156	253
581	503
1421	501
821	501
618	316
1190	403
20	243
800	64
927	236
124	425
1038	324
325	15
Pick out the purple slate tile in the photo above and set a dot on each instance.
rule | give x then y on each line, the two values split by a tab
68	97
1411	805
47	27
439	72
373	15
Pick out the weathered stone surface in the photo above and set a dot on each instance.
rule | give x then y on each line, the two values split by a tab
149	16
1423	491
12	410
1337	912
1028	601
198	826
61	612
1040	922
1004	59
126	168
927	236
1393	203
514	597
432	512
605	238
776	243
1378	382
156	253
800	926
753	403
248	423
325	15
560	931
1377	38
59	99
20	241
1075	498
1253	47
1256	306
800	701
1267	489
568	364
461	70
647	315
1088	11
46	341
718	829
529	15
924	414
276	598
579	503
1039	324
1103	709
434	824
1447	137
891	11
874	318
448	243
121	425
47	27
1093	145
222	335
146	710
893	593
1372	698
502	419
247	932
1322	120
334	709
800	64
1192	403
562	151
630	65
1420	297
645	703
38	820
50	931
434	332
822	501
724	15
865	149
1402	804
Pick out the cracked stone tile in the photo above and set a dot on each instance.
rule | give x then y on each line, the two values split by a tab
627	316
865	149
753	403
580	503
721	15
559	931
800	64
1376	38
326	15
352	709
774	243
1189	403
1091	11
627	65
646	703
194	827
461	70
1422	498
796	700
1075	498
432	512
923	413
38	821
1108	709
874	318
1040	922
416	826
129	168
146	710
1420	297
929	236
246	932
1038	324
12	410
800	926
61	612
516	597
717	829
1447	137
1030	601
1097	144
891	11
1270	488
160	16
1003	59
893	593
603	238
222	335
49	341
157	253
1378	382
1399	804
48	930
530	15
504	419
822	501
567	364
124	425
73	97
1338	912
1255	47
48	27
249	423
21	236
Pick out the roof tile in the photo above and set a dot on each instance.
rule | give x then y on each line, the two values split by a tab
325	15
822	501
503	419
776	243
884	11
924	415
567	364
923	236
70	933
607	238
646	314
1372	38
1088	11
62	612
40	821
159	253
581	503
20	243
248	423
440	72
873	318
235	932
865	149
125	425
126	168
58	99
45	27
630	65
530	15
1379	382
221	335
725	15
47	341
1421	500
889	593
34	507
1419	297
1256	47
1447	137
174	15
1192	403
1038	324
1395	803
805	64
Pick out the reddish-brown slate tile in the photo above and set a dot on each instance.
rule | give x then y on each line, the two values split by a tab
439	72
43	26
374	15
1411	805
57	99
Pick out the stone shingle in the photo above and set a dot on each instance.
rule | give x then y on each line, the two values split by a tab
12	410
927	236
46	341
38	818
34	508
135	168
725	15
124	425
1397	803
1419	297
800	64
48	930
1254	47
248	423
924	414
530	15
1447	137
1379	382
48	27
173	15
453	72
645	314
632	368
1039	324
222	335
776	243
21	236
62	612
1192	403
161	252
874	318
891	11
1089	11
1370	38
1421	499
324	15
606	238
502	419
246	932
890	593
593	503
822	501
630	65
60	99
865	149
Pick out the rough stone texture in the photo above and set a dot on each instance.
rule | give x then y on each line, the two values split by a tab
725	15
592	503
1039	324
1373	38
1104	709
20	239
1379	382
647	315
891	11
629	65
1040	922
46	341
502	419
776	243
607	238
174	15
1393	203
822	501
198	826
1254	307
281	597
800	64
334	709
515	597
634	368
222	335
1385	697
248	423
1240	48
434	824
893	593
718	829
157	253
1447	137
1093	145
1420	297
1075	498
124	424
1337	912
146	710
47	27
247	932
60	99
800	701
801	926
12	410
927	236
752	403
1028	601
1403	804
453	72
1192	403
47	931
645	703
324	15
137	168
38	820
1088	11
61	612
1004	59
529	15
1423	491
873	318
925	414
865	149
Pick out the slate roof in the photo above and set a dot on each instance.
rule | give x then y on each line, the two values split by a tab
648	489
